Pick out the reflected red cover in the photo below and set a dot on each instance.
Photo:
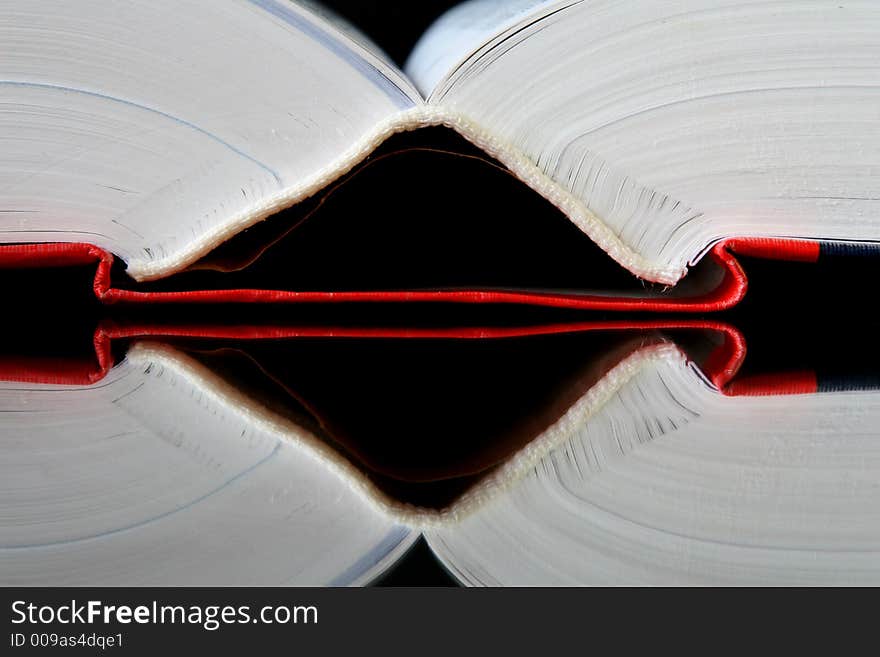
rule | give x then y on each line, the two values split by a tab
720	367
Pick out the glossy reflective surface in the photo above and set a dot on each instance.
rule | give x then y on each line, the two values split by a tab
552	453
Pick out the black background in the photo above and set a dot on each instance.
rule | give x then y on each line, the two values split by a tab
393	26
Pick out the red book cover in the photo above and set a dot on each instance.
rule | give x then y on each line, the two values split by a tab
720	365
724	283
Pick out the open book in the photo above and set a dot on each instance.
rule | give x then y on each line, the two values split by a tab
664	131
606	452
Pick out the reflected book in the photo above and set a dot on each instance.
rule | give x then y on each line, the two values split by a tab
584	453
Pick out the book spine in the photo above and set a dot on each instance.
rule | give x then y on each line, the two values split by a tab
726	294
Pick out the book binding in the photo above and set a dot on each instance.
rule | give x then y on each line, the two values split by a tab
726	294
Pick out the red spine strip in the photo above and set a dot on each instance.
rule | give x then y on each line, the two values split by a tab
775	248
764	385
36	256
727	294
731	290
